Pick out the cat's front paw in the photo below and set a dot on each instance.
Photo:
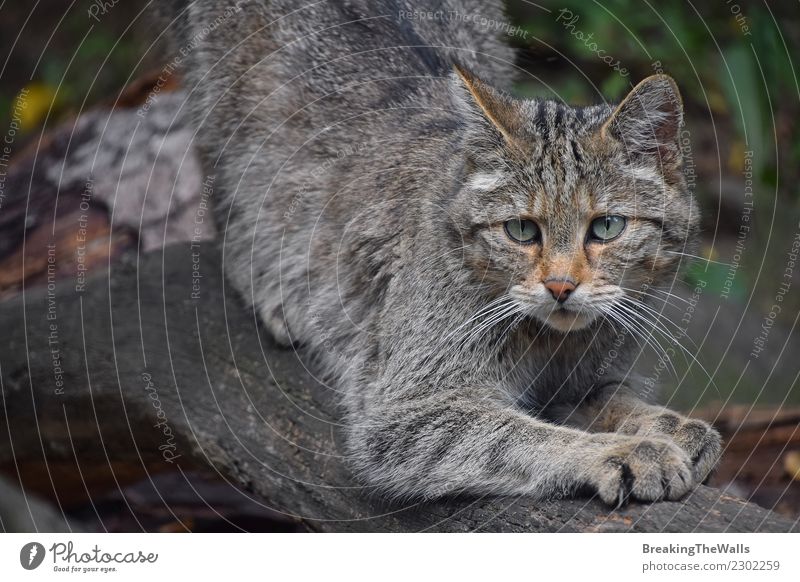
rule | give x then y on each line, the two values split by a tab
643	469
699	439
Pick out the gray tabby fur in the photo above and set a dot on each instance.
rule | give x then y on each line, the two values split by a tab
365	164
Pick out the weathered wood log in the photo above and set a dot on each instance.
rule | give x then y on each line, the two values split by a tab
157	366
23	512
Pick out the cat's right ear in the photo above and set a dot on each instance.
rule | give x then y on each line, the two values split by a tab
649	120
485	108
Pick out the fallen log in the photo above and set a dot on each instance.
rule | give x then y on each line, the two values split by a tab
156	366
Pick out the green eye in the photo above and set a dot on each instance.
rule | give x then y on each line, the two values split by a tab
606	228
522	231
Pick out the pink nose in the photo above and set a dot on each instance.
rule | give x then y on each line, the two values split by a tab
560	289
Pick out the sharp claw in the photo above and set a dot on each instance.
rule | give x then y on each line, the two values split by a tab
622	498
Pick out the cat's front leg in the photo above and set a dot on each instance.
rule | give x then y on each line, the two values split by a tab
617	409
448	443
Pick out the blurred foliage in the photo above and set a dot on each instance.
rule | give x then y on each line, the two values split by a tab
32	105
730	59
65	60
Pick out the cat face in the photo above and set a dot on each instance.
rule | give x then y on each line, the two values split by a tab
574	214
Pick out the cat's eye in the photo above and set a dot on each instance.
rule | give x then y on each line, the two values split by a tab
522	231
606	228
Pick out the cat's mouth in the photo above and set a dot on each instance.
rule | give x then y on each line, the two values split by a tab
566	320
563	317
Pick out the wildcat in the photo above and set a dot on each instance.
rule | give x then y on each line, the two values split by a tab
461	262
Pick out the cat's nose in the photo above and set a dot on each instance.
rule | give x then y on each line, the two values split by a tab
560	289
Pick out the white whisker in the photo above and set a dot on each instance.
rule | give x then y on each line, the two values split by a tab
485	326
660	318
647	293
699	258
634	320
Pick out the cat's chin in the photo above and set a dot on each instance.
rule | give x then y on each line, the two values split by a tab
566	321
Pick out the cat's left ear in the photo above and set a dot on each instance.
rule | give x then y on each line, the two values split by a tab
488	111
648	122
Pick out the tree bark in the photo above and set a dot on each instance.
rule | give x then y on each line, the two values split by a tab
157	366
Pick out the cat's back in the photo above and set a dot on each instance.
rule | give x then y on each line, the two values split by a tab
315	116
287	63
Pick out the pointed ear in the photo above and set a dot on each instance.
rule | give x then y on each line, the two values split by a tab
649	120
486	107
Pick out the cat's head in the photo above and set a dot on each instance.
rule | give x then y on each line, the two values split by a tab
572	213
